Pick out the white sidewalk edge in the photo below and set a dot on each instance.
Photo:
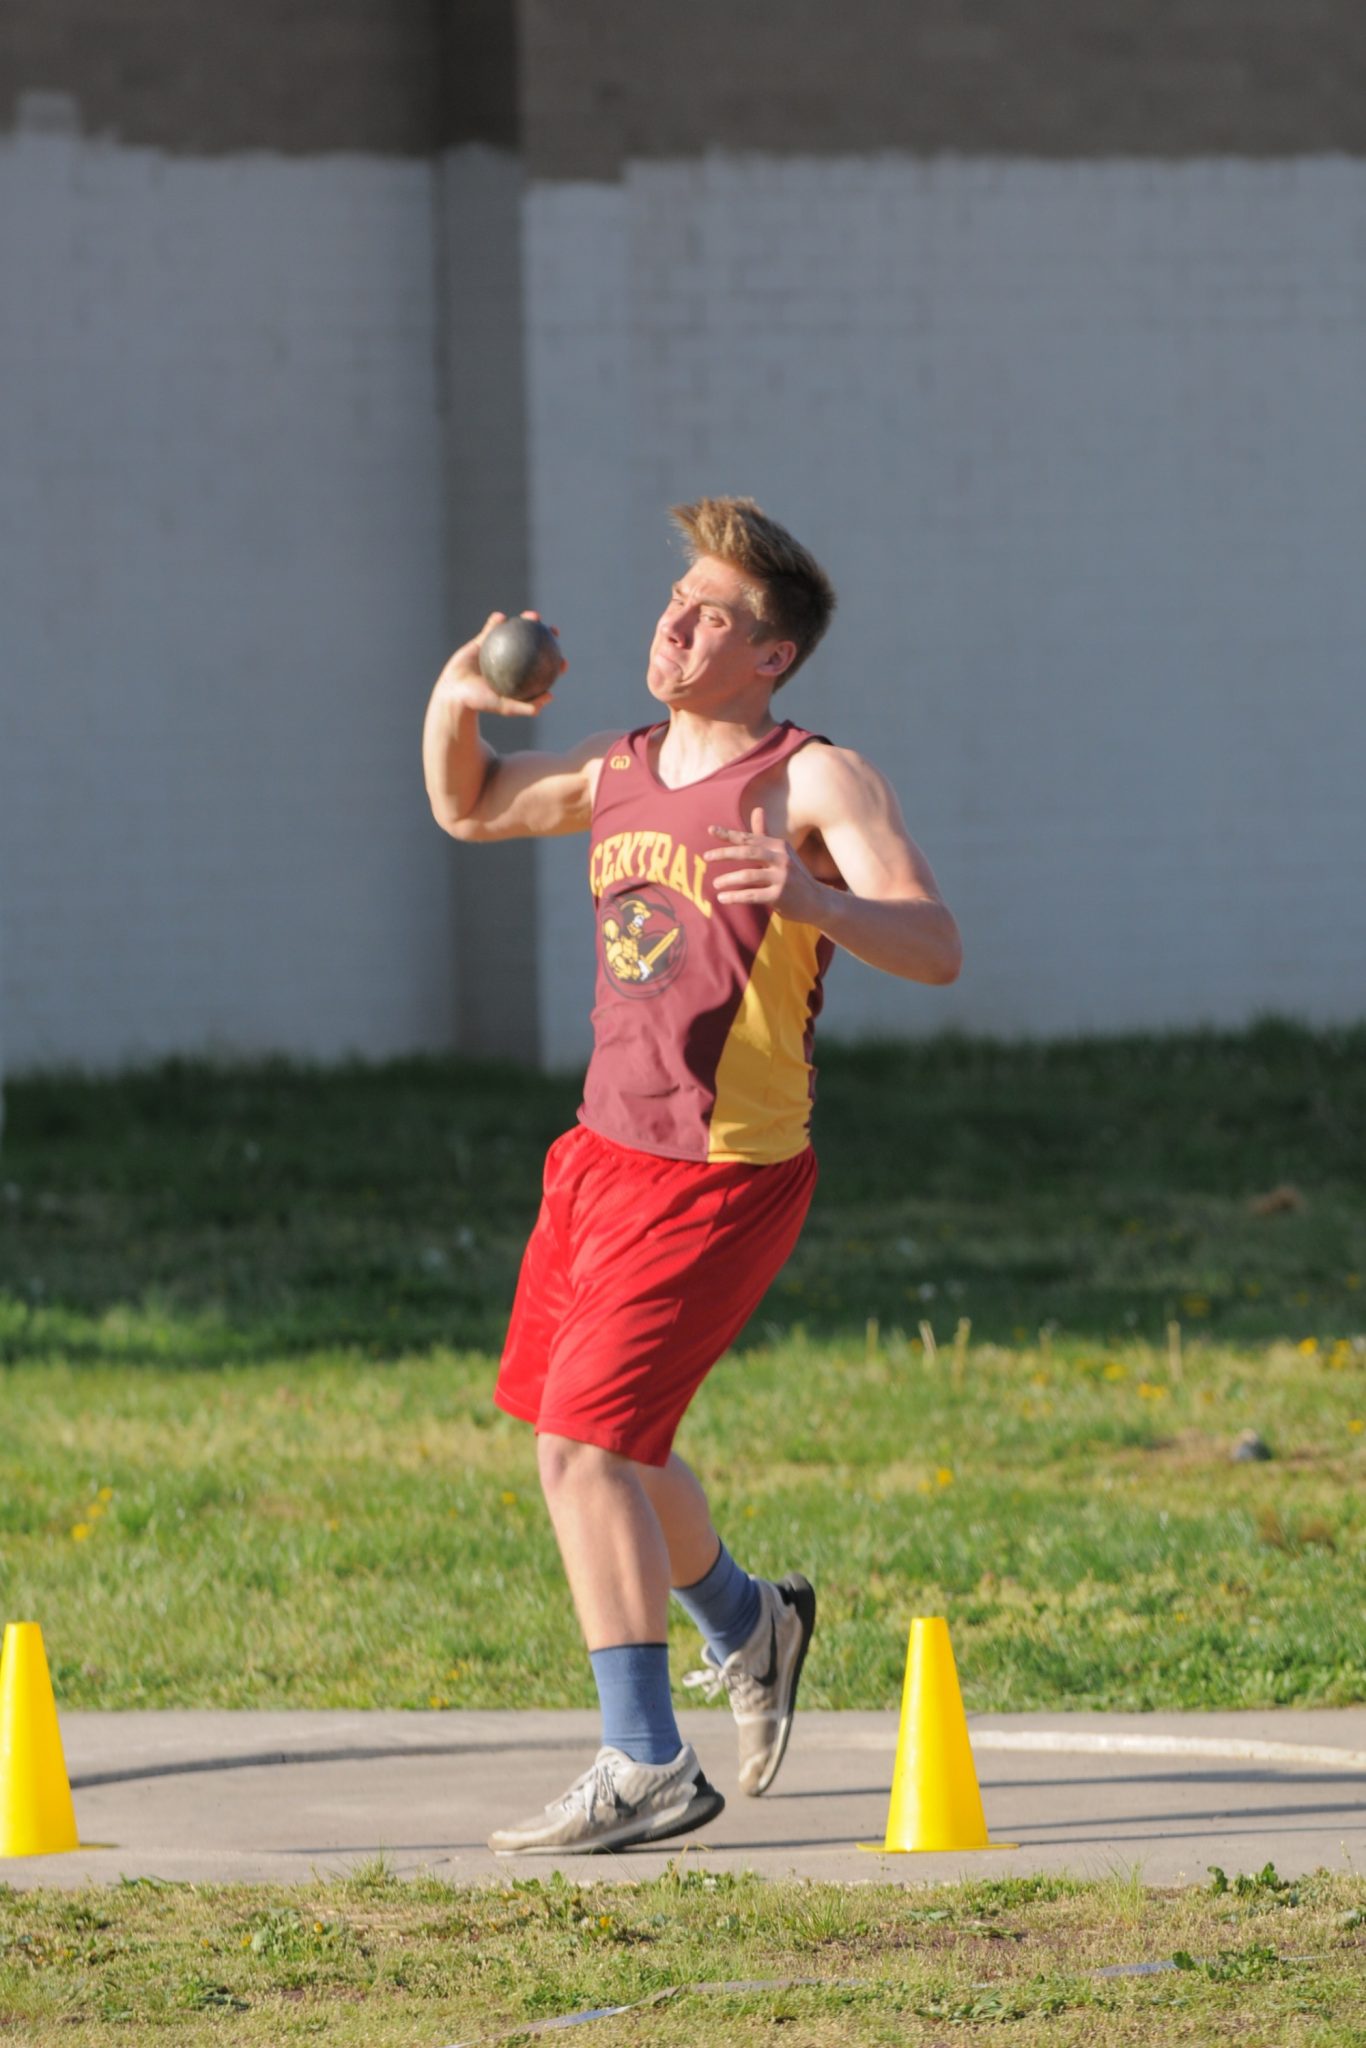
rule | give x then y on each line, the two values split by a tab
1240	1748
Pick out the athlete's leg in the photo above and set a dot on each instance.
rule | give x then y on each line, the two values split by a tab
645	1784
756	1633
677	1498
615	1554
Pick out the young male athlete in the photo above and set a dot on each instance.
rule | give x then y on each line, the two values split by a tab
729	855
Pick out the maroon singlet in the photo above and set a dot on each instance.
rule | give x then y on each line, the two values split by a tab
703	1021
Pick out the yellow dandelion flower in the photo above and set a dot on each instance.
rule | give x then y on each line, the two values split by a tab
750	1512
943	1477
80	1532
94	1511
1179	1614
924	1486
1356	1425
1115	1371
1150	1391
509	1498
1307	1346
106	1494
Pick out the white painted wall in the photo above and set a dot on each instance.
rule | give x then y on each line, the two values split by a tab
1084	447
222	595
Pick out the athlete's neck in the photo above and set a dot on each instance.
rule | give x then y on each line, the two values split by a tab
694	746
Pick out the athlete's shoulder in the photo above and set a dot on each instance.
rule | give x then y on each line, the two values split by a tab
824	773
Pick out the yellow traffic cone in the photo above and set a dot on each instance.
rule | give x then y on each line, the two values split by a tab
36	1814
936	1803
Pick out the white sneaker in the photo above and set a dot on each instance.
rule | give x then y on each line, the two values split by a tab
615	1803
761	1678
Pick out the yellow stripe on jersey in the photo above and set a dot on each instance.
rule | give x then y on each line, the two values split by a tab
763	1080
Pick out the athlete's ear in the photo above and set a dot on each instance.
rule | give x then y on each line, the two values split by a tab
779	656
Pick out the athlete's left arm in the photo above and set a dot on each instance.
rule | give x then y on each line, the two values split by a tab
889	911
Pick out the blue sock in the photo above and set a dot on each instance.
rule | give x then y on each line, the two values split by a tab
724	1605
637	1706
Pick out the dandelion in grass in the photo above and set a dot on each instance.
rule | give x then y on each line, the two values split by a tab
1149	1390
1356	1425
943	1477
105	1495
1307	1347
509	1498
1115	1371
81	1532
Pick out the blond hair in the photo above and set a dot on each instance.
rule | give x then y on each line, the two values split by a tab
789	593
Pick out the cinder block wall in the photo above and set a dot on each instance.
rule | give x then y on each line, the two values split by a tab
226	564
325	329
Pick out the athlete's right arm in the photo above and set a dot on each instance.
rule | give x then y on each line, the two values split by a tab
478	794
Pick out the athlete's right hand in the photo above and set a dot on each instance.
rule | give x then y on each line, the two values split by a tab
462	681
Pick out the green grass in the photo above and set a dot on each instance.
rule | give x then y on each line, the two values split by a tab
372	1961
248	1320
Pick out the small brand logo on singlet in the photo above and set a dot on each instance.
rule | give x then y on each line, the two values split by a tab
643	946
619	761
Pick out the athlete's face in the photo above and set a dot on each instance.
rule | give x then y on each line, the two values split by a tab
704	654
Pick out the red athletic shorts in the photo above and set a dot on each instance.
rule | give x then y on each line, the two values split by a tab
639	1273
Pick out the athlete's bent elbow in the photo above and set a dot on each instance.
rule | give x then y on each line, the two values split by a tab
948	964
458	824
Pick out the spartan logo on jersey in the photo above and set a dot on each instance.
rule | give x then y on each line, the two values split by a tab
642	944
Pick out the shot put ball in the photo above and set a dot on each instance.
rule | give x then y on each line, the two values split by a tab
520	658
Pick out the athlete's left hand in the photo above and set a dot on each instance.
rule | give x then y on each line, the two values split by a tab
775	873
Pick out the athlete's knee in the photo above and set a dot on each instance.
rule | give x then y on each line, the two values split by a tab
568	1466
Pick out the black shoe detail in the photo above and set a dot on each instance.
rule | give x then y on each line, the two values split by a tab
768	1677
705	1804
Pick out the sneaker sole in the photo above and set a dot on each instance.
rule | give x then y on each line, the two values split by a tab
706	1802
803	1598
